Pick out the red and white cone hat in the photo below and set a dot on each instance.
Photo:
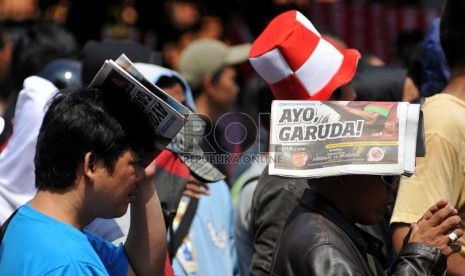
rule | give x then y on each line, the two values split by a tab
297	63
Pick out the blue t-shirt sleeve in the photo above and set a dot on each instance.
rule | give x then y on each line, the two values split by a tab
78	268
113	257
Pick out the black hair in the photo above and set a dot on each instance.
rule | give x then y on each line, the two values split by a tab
85	120
337	94
38	44
169	82
452	32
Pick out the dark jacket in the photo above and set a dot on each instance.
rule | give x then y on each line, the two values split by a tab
435	71
273	201
318	240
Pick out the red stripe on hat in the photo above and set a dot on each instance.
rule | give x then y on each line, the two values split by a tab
289	88
275	33
299	46
295	41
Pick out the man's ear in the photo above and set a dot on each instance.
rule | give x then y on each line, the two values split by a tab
208	84
89	164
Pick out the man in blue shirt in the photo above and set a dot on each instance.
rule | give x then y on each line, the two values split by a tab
93	158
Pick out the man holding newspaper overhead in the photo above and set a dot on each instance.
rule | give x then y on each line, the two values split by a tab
94	157
320	237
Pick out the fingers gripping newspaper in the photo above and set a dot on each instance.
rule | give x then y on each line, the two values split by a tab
318	139
167	115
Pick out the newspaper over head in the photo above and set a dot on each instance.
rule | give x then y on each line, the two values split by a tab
324	138
167	115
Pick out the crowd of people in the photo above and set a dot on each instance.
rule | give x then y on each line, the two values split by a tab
82	192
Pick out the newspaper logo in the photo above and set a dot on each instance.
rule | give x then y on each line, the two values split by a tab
375	154
299	159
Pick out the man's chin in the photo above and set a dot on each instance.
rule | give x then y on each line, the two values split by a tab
116	213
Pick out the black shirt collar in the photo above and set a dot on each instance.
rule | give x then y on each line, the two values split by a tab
365	242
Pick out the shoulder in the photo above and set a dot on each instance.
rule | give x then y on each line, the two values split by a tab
443	126
311	230
269	186
39	84
311	240
59	249
442	108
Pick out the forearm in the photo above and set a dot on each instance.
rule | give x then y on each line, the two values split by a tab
455	265
399	231
146	241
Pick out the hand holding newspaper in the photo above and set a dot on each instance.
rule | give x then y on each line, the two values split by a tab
167	115
318	139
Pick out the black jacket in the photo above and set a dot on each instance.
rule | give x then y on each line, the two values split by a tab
273	201
317	240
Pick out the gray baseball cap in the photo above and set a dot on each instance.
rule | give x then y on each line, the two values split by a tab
206	56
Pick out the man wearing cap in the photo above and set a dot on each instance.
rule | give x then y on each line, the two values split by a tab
299	64
207	65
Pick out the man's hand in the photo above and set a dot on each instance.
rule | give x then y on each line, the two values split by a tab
196	188
435	225
149	172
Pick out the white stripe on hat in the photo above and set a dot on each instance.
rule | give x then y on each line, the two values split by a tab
320	67
272	66
304	21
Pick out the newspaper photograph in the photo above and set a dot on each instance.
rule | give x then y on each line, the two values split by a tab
166	120
316	139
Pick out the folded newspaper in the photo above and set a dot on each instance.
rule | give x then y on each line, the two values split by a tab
166	114
317	139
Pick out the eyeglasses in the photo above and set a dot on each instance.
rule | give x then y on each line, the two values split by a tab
391	180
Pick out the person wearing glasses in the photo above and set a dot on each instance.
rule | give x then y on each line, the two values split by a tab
321	237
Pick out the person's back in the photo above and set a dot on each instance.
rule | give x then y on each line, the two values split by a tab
210	241
273	201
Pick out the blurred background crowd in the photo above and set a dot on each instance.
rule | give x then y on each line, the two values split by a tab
396	39
387	32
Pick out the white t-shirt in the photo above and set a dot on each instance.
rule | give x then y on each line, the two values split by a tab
17	160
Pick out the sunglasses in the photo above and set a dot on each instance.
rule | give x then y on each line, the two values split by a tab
391	180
